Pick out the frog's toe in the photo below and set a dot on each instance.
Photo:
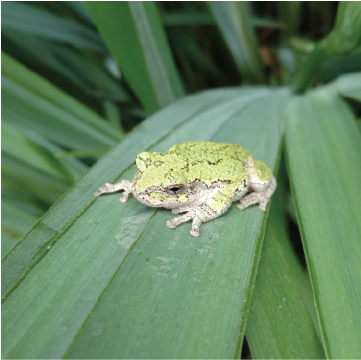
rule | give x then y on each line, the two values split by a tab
240	207
250	199
263	206
194	232
124	198
171	224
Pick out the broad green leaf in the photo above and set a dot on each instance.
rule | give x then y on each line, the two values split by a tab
194	295
232	18
343	39
323	149
122	156
134	35
349	86
279	324
31	20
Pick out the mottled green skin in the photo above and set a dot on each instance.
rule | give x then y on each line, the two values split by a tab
184	163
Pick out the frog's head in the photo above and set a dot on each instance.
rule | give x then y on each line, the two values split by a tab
160	180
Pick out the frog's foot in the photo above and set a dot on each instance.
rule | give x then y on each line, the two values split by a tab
193	214
125	185
261	195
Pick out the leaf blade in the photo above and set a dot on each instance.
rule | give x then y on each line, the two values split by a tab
344	38
28	19
327	160
279	323
107	254
141	51
233	20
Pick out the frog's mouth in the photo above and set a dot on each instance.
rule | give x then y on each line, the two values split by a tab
158	198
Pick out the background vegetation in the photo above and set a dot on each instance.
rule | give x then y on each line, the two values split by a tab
103	280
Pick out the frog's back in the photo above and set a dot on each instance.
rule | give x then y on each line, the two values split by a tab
210	151
212	162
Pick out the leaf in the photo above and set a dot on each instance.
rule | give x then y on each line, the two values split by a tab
17	146
191	18
323	147
74	65
15	223
343	39
289	12
30	20
145	135
279	324
116	270
232	18
187	18
345	64
349	86
36	85
50	112
135	36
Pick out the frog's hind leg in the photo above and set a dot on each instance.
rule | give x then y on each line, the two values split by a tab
262	184
125	185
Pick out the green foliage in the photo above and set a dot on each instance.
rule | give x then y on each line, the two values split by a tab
133	32
324	142
343	39
94	278
233	20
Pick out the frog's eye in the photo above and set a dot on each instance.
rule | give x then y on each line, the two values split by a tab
176	189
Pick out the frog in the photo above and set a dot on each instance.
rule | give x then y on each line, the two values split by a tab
199	178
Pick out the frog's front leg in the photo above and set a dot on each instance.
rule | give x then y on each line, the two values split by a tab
262	184
216	205
125	185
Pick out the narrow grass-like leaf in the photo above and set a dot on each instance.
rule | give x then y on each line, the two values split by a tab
279	324
195	295
233	20
22	84
74	65
323	148
190	18
134	34
343	39
23	17
15	223
289	12
350	63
